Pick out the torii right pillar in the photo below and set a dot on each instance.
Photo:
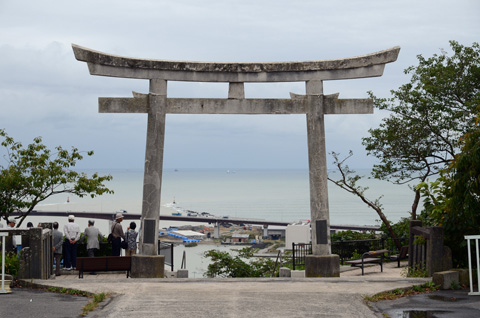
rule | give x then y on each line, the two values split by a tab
321	263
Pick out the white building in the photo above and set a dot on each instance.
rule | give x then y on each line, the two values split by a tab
297	233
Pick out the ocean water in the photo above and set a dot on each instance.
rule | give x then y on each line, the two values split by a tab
276	195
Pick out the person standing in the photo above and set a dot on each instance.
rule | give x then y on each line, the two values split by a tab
117	234
57	247
72	235
131	238
13	247
93	237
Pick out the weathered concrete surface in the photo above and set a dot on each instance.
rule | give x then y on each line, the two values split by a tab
105	64
152	180
463	276
285	272
182	273
297	274
148	266
446	278
140	104
322	265
314	297
92	56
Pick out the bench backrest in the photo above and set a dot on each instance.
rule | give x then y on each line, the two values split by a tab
375	253
403	252
106	263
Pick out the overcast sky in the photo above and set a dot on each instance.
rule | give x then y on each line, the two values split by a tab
45	92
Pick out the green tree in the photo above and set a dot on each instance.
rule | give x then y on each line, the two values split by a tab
241	265
32	174
453	200
428	117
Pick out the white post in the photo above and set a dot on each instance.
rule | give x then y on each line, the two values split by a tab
3	234
476	238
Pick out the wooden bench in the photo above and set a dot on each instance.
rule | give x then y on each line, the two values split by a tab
372	257
402	255
104	264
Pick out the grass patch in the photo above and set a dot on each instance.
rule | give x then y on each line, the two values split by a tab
68	291
428	287
415	271
93	304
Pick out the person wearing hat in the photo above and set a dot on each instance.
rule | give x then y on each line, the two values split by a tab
10	225
93	237
71	230
117	234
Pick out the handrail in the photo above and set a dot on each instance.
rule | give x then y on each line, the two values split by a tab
476	238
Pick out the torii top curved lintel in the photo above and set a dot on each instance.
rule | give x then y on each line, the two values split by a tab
105	64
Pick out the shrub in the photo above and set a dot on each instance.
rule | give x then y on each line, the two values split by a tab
12	264
242	265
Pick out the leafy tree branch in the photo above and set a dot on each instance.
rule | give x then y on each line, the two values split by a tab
32	174
428	117
348	182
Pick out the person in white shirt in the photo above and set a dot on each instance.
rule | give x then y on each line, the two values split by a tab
71	230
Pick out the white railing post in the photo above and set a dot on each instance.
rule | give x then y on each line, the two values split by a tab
3	234
476	238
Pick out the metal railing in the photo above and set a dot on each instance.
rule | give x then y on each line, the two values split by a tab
166	249
299	251
475	238
346	250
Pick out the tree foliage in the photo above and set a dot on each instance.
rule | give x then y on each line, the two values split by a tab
241	265
453	200
428	117
32	174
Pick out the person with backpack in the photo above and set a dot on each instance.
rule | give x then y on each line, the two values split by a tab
131	238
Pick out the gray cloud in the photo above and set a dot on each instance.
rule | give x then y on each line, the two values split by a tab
45	91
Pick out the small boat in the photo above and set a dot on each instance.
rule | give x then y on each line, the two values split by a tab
177	213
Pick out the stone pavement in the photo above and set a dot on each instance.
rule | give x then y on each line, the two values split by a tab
276	297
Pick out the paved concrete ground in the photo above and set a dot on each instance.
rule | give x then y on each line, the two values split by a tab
302	297
24	302
327	297
442	303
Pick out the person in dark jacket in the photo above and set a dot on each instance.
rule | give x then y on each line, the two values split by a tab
117	234
57	247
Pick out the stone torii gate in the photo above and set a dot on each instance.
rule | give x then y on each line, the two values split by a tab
314	104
